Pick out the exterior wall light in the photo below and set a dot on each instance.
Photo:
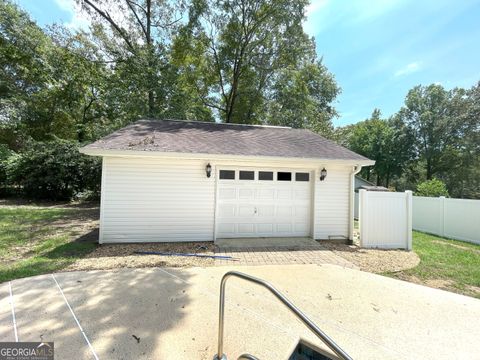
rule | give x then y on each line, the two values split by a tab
323	174
208	170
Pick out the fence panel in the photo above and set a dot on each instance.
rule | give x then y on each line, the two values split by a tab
428	214
385	219
453	218
355	208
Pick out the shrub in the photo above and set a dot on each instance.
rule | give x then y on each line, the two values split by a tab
432	188
54	170
5	154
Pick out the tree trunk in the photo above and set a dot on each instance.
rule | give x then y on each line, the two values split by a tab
429	169
151	98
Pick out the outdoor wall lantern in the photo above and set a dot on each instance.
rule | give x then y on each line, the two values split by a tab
323	174
208	170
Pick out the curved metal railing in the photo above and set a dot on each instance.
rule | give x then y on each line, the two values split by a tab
314	328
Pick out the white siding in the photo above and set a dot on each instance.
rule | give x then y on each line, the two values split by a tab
155	200
332	201
148	199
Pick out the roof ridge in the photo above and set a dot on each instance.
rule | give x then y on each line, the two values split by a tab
219	123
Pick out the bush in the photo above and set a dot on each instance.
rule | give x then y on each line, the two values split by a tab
5	153
432	188
54	170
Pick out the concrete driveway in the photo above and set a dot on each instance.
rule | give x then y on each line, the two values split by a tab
166	313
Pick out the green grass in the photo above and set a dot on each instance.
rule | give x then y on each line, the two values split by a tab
457	263
32	243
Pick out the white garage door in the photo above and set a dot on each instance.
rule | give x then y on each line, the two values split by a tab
263	203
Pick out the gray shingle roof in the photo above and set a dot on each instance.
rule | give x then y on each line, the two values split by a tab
226	139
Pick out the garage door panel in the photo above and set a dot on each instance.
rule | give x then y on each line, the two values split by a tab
284	194
265	228
226	228
246	228
266	194
266	210
301	227
246	210
246	194
302	194
284	211
301	212
284	228
226	210
227	194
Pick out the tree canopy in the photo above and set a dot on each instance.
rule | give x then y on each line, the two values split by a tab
434	136
235	61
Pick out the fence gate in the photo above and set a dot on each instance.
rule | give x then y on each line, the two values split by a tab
385	219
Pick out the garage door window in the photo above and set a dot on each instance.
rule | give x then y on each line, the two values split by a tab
227	174
265	175
302	177
284	176
247	175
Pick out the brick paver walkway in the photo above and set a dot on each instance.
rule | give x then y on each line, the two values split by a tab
281	256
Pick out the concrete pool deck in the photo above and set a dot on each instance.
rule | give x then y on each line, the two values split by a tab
173	313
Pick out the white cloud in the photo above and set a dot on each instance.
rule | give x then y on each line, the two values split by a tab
408	69
79	19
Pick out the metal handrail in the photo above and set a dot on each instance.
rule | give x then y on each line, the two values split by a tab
247	357
314	328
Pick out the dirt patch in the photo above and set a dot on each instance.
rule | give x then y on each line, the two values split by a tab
375	260
122	255
457	246
474	289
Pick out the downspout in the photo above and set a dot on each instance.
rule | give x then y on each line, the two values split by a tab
356	169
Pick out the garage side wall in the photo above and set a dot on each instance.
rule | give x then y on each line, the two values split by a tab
156	200
332	203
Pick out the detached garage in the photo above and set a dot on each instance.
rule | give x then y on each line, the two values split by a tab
168	180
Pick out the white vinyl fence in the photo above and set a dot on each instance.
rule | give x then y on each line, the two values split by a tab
452	218
385	219
355	208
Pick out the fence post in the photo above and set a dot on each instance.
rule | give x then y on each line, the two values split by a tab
409	197
362	206
442	215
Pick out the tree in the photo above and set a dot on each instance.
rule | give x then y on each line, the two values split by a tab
136	37
384	141
52	83
248	56
302	98
446	126
432	188
426	113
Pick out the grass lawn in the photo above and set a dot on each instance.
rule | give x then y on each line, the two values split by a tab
41	239
447	264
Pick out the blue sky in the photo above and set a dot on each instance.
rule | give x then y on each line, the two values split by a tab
377	49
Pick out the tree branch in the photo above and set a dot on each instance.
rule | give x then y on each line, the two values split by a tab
106	16
129	3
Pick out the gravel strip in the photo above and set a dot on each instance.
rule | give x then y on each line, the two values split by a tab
122	255
375	260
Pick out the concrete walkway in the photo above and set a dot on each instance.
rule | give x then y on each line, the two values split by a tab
167	313
277	251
